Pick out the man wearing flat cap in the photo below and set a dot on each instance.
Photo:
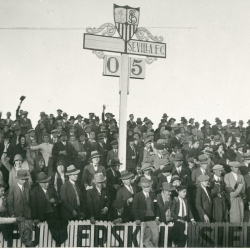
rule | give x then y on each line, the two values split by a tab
98	201
72	206
235	187
204	199
144	210
30	136
217	186
127	192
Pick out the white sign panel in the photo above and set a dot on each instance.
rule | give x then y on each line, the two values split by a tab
151	49
137	68
112	65
103	43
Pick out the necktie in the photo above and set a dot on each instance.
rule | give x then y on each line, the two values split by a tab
77	196
131	189
17	139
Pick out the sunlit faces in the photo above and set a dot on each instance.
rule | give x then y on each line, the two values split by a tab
204	166
44	185
176	183
21	182
196	144
73	177
218	172
95	160
18	163
182	193
41	163
60	168
92	135
46	138
127	182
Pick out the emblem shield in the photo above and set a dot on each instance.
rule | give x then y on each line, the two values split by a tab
126	21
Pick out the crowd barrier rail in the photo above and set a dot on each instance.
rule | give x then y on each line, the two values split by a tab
106	234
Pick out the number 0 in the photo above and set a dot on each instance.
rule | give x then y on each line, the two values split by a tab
116	65
138	66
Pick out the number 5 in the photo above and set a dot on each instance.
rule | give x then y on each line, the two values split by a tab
135	64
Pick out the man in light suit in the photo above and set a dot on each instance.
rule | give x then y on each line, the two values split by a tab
113	154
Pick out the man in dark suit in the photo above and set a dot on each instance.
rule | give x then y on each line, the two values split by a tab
78	125
127	192
15	138
72	207
118	213
64	151
102	150
113	154
113	179
181	214
25	123
144	210
130	122
98	200
203	200
176	139
131	157
18	204
178	168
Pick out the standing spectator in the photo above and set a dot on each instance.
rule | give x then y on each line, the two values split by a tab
30	136
144	211
72	207
131	158
204	200
25	123
113	154
98	200
130	122
235	186
15	138
113	179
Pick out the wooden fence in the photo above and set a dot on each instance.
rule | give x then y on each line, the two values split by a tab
105	234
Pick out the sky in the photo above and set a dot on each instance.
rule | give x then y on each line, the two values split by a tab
205	75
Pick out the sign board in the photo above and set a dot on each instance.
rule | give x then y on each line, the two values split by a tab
103	43
112	66
151	49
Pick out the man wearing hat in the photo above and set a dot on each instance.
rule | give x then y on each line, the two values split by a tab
166	173
64	151
108	115
25	123
144	210
55	138
30	136
191	125
217	126
78	125
196	131
18	204
202	170
220	213
102	150
235	186
239	153
118	213
204	200
127	192
138	127
72	206
164	203
97	199
113	154
207	131
8	121
195	150
132	155
228	126
15	138
158	156
113	178
178	168
90	170
131	122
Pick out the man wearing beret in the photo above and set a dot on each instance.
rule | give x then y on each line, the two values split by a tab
113	154
235	187
204	200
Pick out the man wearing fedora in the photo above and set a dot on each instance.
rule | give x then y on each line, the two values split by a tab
132	155
72	207
98	201
78	125
127	192
113	153
138	127
118	213
18	205
165	175
90	170
161	154
113	179
144	210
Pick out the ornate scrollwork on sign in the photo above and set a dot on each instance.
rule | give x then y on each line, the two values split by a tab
150	60
98	53
108	29
144	34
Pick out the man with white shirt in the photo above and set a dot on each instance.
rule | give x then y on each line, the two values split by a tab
30	136
181	214
55	137
203	199
8	121
112	154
